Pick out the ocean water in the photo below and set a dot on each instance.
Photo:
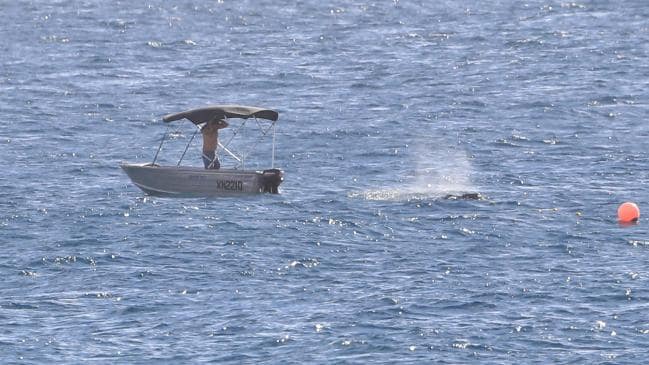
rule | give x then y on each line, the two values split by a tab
386	107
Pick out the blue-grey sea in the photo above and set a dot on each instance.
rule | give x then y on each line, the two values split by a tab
386	107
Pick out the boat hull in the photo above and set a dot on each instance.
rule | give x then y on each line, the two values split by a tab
189	181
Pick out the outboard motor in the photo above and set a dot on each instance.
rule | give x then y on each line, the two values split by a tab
271	179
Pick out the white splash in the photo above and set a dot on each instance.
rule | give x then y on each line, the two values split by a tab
438	173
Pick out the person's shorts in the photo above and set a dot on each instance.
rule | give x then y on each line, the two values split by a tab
207	161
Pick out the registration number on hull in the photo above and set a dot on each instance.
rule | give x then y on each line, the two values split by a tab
229	185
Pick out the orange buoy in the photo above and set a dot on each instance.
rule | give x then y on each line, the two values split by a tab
628	212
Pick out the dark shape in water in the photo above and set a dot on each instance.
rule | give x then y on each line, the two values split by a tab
465	196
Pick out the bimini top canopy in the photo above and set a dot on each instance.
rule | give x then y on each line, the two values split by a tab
206	114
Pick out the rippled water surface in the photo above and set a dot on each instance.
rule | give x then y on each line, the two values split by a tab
386	108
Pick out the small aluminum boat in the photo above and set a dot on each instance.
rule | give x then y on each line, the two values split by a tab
188	181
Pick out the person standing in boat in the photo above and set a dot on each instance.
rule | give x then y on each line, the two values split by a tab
210	133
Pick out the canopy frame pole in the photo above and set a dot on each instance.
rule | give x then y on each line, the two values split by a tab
155	158
235	132
243	133
272	158
263	133
187	147
230	153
